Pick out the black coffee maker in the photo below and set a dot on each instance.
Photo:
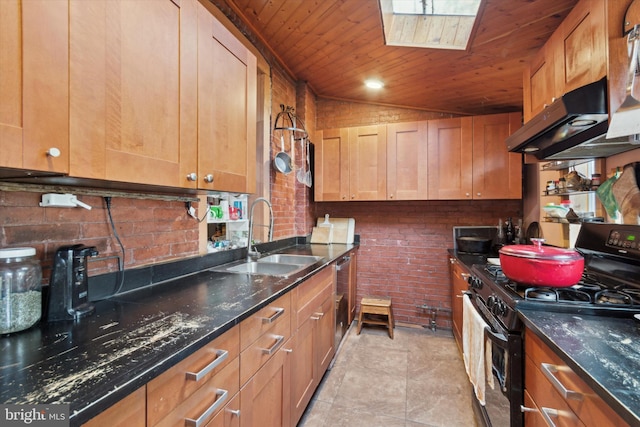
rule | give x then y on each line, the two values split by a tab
68	296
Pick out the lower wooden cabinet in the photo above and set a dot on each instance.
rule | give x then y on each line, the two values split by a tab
313	342
261	372
459	274
265	400
130	412
554	394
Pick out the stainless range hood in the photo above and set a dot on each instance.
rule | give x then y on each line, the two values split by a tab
573	127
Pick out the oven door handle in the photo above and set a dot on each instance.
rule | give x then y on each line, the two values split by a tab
498	339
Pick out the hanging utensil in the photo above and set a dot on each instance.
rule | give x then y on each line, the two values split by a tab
301	174
626	120
308	179
282	161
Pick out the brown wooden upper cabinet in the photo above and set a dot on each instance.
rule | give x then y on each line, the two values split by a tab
226	109
350	164
331	180
445	159
156	93
497	173
367	163
132	97
34	118
451	158
407	161
575	55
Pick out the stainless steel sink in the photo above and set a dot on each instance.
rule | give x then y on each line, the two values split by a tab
282	265
290	259
266	268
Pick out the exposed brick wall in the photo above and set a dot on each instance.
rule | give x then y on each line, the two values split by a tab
403	248
334	114
291	200
151	230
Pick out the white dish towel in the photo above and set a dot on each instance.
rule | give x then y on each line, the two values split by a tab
476	349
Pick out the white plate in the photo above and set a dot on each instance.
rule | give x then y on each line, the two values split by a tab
494	261
637	316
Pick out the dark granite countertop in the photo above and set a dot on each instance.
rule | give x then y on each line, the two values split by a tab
603	351
131	338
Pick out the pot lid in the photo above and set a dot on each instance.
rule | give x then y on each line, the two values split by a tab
537	251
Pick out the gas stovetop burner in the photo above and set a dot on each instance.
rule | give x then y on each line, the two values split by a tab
614	296
571	295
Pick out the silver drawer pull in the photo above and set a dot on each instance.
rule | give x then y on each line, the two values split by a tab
235	412
222	396
317	316
527	409
547	413
279	312
549	370
221	357
275	346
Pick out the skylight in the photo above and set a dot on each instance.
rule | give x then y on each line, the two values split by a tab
436	7
438	24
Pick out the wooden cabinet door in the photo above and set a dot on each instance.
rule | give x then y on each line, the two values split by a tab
407	161
132	74
331	178
458	286
129	412
353	285
266	399
497	173
226	109
583	40
304	378
450	158
368	163
34	84
539	87
325	335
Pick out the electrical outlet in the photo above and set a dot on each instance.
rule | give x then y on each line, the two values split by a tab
52	200
58	201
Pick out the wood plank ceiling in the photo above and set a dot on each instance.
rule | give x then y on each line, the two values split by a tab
334	45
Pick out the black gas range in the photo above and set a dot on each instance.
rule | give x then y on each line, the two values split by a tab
610	286
610	283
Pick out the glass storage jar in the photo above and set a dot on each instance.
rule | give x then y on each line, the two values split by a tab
20	289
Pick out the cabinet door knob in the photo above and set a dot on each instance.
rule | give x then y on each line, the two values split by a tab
208	178
53	152
478	194
192	176
467	194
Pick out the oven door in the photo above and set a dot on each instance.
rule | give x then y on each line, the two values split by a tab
503	401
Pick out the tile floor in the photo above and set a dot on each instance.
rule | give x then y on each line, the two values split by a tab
415	380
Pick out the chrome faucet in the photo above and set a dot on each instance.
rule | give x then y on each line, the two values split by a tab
251	250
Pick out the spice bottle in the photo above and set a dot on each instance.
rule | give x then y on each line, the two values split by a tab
20	289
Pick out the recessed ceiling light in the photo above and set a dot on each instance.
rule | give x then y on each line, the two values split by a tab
374	84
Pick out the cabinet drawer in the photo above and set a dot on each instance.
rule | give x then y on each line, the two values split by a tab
582	400
547	400
264	320
258	353
168	390
207	401
127	412
310	295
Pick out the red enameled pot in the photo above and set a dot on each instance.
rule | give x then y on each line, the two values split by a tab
541	265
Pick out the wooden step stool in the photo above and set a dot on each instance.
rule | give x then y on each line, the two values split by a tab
376	306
